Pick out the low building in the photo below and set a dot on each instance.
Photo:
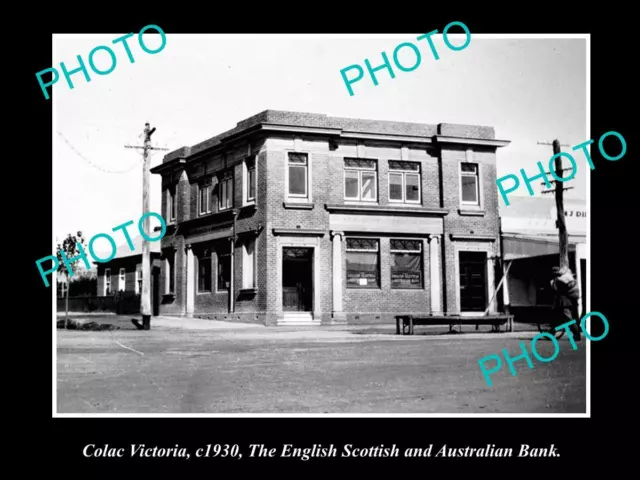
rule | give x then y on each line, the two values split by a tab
121	277
531	249
307	218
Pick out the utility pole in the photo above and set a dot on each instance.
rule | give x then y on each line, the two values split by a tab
145	299
559	194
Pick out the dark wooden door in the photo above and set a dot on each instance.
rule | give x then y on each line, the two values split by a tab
297	283
473	281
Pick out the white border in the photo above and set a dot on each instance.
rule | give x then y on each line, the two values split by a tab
53	287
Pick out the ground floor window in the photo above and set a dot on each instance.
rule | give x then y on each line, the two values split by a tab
406	264
170	272
363	263
223	252
204	270
248	264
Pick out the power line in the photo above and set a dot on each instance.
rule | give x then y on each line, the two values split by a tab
94	165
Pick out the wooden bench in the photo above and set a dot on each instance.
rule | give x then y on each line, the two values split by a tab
409	321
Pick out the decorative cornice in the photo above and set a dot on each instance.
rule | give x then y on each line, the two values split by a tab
178	162
299	231
418	211
295	129
386	137
481	142
472	238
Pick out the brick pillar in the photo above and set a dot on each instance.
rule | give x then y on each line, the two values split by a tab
337	315
435	279
190	272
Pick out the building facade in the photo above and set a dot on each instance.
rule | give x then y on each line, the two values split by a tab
304	218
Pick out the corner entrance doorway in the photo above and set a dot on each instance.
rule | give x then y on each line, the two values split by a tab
473	281
297	279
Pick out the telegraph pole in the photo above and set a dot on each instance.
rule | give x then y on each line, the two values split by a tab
145	299
559	194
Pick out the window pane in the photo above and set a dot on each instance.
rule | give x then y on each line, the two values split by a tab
406	270
204	274
362	269
252	184
395	186
298	158
224	272
368	186
297	180
351	184
229	201
247	267
412	188
469	167
469	193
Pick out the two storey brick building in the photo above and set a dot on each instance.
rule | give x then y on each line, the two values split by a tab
299	217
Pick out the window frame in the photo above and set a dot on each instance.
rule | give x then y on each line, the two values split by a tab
227	179
169	274
107	274
379	263
172	211
475	175
200	255
122	279
248	171
419	252
254	264
403	174
360	171
227	255
306	197
202	187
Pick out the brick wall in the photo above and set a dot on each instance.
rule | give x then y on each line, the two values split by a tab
463	220
440	187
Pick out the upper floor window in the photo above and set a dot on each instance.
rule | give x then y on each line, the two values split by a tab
360	179
250	183
122	278
404	181
171	204
204	197
225	191
298	171
107	281
469	184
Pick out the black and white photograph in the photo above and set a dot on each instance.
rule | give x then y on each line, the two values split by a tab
362	225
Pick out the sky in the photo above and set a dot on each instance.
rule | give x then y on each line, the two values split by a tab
528	89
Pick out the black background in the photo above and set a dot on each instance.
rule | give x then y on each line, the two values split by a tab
55	444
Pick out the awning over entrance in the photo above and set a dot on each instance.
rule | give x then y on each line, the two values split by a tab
528	246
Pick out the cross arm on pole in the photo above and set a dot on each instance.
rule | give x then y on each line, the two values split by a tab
551	143
131	146
550	191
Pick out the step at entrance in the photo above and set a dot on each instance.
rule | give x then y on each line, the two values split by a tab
298	319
